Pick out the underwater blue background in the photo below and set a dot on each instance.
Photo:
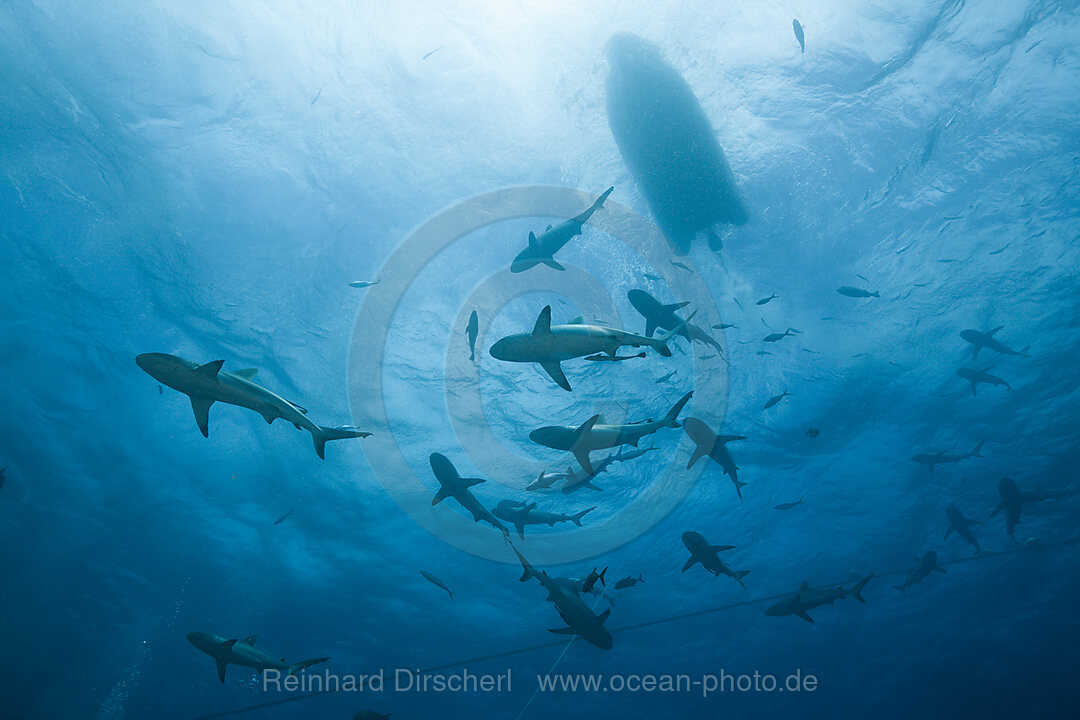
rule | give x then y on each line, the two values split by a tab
205	179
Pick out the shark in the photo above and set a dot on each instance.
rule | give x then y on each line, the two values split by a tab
593	435
542	249
962	526
702	552
945	458
925	565
1013	499
243	652
980	340
708	443
520	514
808	598
206	384
565	593
659	315
452	485
975	376
549	345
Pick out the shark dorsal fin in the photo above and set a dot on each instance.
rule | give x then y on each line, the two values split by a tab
549	227
532	239
991	333
247	373
804	587
210	369
250	639
543	322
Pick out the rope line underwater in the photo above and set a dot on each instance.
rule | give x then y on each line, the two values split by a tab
985	555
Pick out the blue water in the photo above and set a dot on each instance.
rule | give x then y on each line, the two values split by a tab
205	179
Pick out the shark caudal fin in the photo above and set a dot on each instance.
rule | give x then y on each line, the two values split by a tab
321	434
739	575
297	667
672	417
856	591
660	342
576	519
739	485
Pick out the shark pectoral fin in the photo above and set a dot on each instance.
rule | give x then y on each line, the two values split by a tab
555	371
582	456
721	548
246	373
699	452
602	617
201	407
563	631
689	563
221	666
552	263
440	496
250	639
650	327
941	569
804	616
520	526
532	240
210	369
543	322
469	482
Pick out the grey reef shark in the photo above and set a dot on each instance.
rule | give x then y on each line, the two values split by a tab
593	435
549	345
208	383
542	249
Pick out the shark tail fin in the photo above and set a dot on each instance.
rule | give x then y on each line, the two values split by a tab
739	575
857	590
322	434
672	417
739	485
640	579
660	342
875	294
601	578
576	519
600	200
297	667
1024	352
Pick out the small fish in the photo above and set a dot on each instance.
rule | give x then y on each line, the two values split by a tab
708	357
725	326
678	264
545	480
590	581
666	377
437	582
797	27
1000	250
363	283
470	332
737	302
604	357
317	95
788	505
655	278
764	301
922	285
432	53
812	433
284	517
948	260
763	352
776	337
629	582
160	390
775	399
854	292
